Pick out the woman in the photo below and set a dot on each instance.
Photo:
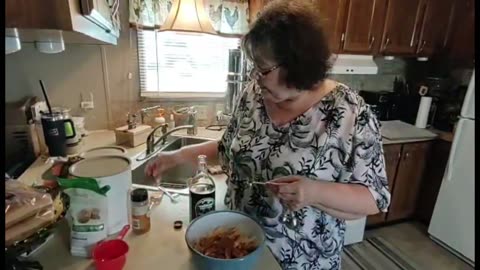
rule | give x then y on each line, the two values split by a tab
313	139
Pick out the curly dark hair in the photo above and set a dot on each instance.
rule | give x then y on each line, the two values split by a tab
290	33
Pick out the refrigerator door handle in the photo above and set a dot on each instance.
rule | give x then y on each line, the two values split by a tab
453	152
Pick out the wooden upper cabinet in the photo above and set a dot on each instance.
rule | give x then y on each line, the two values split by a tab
364	21
331	12
461	37
408	181
436	22
254	8
77	21
400	33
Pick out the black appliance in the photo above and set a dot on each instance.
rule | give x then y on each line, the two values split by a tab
382	104
448	108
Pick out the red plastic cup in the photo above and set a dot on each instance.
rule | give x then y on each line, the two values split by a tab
111	254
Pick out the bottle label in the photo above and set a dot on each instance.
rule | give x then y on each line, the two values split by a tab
139	210
136	224
204	206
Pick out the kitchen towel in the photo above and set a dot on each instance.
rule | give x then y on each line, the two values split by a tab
423	110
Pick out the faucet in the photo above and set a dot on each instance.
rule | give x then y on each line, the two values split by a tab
192	120
191	128
152	144
144	112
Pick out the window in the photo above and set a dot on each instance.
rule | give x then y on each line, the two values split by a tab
177	62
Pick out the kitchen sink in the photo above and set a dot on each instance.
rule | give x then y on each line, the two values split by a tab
175	178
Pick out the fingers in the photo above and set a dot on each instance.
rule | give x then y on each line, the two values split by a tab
288	197
151	168
292	205
284	180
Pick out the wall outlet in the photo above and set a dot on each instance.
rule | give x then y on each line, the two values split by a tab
219	107
202	112
86	105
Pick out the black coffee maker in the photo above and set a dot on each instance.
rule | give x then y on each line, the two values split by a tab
381	103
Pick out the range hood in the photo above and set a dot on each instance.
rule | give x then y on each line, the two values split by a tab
353	64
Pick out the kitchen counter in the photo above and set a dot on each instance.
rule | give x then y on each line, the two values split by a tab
161	248
99	138
107	137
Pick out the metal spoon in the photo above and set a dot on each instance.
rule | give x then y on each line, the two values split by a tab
289	219
173	197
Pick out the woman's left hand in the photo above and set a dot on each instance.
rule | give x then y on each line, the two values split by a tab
293	191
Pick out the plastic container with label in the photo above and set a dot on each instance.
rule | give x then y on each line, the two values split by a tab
140	215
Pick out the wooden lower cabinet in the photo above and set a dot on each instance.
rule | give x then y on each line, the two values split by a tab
432	180
392	154
405	165
408	181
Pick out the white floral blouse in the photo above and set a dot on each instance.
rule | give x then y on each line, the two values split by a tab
338	139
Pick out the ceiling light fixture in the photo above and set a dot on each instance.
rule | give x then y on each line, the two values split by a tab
188	16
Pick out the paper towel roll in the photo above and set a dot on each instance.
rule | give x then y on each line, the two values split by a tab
423	110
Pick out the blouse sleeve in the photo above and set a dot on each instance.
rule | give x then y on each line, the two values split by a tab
369	160
233	124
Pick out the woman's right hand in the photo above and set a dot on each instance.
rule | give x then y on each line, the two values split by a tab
164	161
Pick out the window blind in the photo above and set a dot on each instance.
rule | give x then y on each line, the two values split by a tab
178	62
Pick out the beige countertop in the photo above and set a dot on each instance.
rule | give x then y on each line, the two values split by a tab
162	246
99	138
107	137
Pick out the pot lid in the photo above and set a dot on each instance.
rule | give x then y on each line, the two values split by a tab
104	151
100	166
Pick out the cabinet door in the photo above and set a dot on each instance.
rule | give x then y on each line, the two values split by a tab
436	22
364	21
255	6
434	171
332	13
103	13
461	39
407	183
400	33
392	154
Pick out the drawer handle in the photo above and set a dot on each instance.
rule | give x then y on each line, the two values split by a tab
387	42
372	39
422	46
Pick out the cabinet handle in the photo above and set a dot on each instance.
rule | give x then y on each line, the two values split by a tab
422	46
387	42
407	155
342	38
372	39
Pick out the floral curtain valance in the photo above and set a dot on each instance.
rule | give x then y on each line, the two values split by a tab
226	16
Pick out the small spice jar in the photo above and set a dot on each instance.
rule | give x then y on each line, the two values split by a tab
140	215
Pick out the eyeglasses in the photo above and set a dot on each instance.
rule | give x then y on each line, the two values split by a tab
256	74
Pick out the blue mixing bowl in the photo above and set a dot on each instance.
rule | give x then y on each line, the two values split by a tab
205	224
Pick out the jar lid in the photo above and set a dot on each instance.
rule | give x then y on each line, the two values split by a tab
139	195
101	166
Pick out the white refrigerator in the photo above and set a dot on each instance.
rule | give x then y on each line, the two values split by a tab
453	220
